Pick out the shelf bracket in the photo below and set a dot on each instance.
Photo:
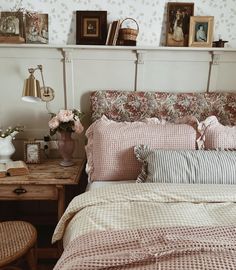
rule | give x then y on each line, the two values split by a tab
67	56
216	58
140	57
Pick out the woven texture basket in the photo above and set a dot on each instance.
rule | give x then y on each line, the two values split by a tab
16	238
128	33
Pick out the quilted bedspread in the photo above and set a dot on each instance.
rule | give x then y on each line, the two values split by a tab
150	226
182	248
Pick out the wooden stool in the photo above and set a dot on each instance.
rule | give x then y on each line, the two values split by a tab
17	240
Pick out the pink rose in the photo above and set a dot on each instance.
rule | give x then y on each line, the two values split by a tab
53	123
65	115
78	127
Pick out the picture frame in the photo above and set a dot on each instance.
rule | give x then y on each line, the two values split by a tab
11	27
31	152
178	20
36	28
201	31
91	27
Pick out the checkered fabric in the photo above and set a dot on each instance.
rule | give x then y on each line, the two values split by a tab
133	206
175	248
110	148
217	136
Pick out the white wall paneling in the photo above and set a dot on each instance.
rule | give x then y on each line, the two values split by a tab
68	78
74	71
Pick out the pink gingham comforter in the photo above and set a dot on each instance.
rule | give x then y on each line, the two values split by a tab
186	248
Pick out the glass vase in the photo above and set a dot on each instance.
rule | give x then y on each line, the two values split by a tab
66	146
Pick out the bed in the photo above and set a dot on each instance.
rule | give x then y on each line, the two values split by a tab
171	205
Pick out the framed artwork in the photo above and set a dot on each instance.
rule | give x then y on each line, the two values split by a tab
178	19
36	28
91	27
32	152
201	31
11	27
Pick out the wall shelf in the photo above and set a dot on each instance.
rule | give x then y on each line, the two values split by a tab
129	48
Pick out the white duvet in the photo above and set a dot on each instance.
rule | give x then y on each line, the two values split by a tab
129	206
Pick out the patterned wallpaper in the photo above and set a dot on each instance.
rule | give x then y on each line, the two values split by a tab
150	14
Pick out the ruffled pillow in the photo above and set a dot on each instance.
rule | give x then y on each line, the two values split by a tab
214	135
110	145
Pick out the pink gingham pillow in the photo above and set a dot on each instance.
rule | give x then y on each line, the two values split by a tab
110	148
217	136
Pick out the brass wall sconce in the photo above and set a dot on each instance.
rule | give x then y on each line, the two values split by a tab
32	92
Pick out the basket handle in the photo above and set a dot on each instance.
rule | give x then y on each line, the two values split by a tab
131	20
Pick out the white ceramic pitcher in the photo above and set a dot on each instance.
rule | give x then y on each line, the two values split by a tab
7	148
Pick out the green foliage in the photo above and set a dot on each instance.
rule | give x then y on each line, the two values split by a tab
10	130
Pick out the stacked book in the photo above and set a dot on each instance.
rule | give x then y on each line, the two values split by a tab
113	32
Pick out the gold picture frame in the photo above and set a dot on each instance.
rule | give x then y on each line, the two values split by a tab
201	31
31	152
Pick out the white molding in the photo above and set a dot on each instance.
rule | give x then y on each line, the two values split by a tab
140	69
216	57
68	74
104	47
140	56
214	70
67	55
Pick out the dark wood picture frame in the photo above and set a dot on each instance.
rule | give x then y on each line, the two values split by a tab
11	27
91	27
31	152
178	20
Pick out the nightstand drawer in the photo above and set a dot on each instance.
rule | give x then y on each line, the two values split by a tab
28	192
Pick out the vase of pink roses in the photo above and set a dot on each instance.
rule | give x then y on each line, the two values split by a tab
65	122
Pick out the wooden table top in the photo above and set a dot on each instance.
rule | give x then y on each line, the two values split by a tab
48	172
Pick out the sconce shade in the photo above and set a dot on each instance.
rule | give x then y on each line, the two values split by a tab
31	90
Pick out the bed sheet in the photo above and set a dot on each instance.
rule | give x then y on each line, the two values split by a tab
98	184
131	206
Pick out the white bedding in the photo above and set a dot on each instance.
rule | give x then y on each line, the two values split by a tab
98	184
130	206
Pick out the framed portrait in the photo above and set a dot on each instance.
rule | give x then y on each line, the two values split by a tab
36	28
11	27
91	27
32	152
201	31
178	19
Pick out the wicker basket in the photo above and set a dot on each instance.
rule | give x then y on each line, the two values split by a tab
128	33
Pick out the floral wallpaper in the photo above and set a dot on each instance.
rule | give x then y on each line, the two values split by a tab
150	15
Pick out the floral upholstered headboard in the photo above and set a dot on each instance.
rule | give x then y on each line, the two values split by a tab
133	106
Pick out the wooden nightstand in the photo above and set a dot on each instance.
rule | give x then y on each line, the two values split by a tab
46	181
